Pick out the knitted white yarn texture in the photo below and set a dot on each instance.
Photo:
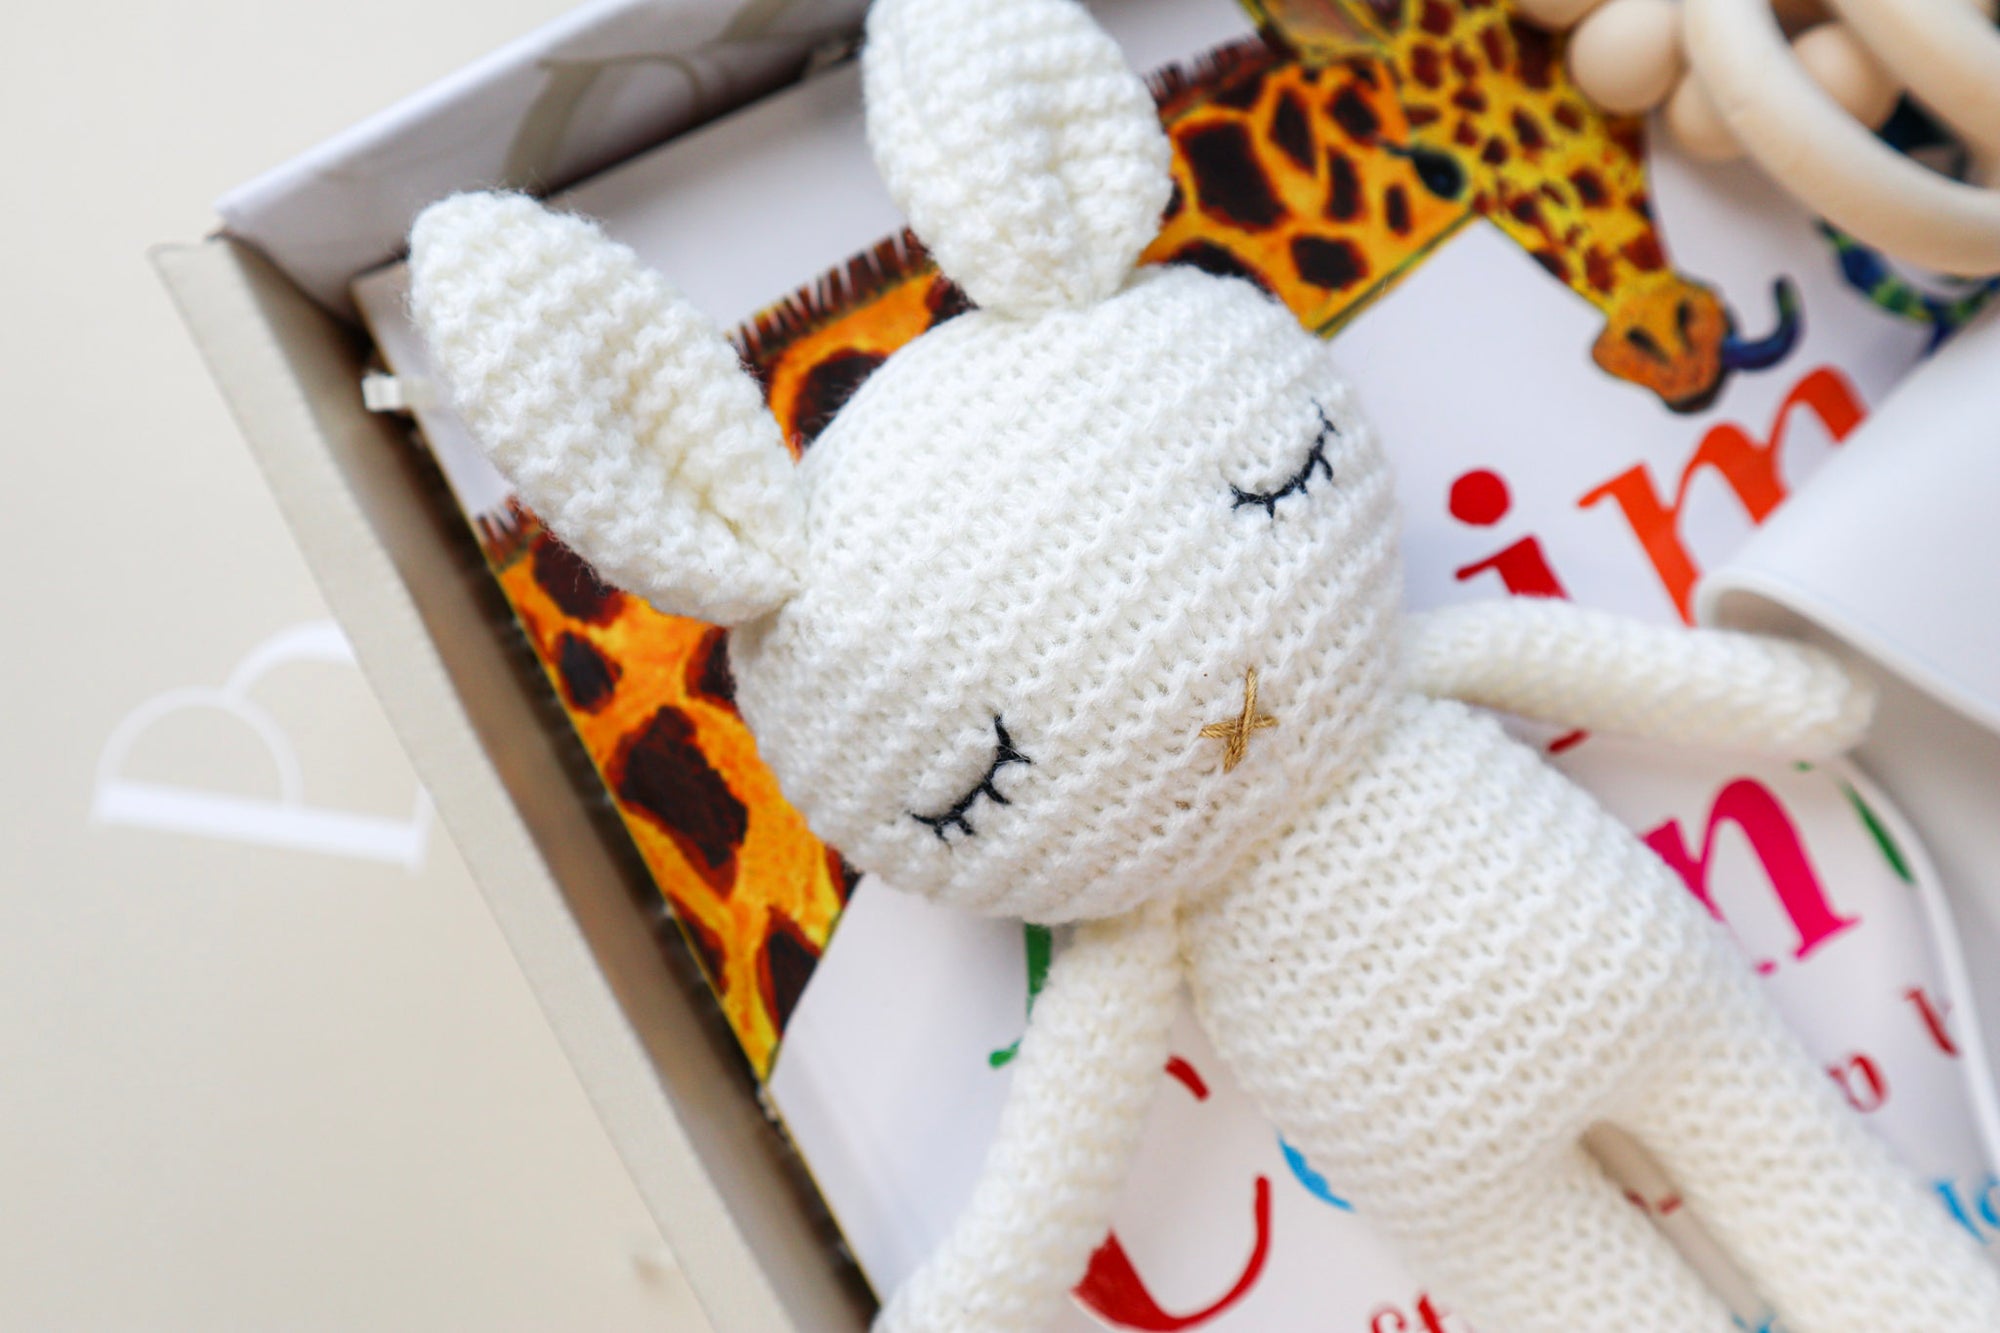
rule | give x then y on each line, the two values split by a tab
1019	145
1084	1079
615	407
1085	608
1075	491
1436	980
1558	662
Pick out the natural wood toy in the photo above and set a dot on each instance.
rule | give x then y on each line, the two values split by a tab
1800	86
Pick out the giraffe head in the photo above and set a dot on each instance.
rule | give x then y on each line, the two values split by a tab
1665	333
1083	590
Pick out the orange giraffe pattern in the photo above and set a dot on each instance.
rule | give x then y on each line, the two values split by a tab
1484	105
756	895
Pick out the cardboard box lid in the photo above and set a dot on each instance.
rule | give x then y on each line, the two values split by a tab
662	1073
572	97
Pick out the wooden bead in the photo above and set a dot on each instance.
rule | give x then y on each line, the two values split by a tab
1697	126
1838	63
1626	57
1554	15
1795	16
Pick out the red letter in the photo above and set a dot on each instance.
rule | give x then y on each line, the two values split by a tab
1934	1016
1873	1089
1750	468
1113	1288
1750	806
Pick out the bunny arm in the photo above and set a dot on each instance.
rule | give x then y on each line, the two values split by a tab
1085	1077
1557	662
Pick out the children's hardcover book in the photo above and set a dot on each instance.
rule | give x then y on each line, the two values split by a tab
1596	370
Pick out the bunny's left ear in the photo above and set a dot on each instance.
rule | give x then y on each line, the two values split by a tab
1025	152
614	406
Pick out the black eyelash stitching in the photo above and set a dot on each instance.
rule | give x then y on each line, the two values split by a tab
1296	485
1004	753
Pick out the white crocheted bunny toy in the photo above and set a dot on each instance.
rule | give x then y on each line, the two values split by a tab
1085	608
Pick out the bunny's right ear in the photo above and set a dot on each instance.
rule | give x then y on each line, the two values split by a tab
615	407
1026	153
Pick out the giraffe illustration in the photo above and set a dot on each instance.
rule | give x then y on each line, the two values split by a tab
1477	110
1322	161
650	696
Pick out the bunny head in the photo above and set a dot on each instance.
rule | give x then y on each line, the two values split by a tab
1077	597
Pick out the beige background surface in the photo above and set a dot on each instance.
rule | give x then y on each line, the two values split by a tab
244	1084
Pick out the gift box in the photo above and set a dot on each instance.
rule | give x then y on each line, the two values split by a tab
268	302
265	301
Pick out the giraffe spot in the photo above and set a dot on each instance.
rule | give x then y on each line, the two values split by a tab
1353	114
1334	265
1465	134
1495	153
1176	201
707	674
1396	209
1528	133
1643	253
1589	187
1553	193
1642	205
1535	60
1597	269
1240	94
1469	99
662	774
1228	180
826	389
588	677
1291	131
1570	116
1554	265
1426	65
1525	210
1463	64
1364	71
1343	195
573	585
945	300
1434	18
706	944
1212	258
843	875
1493	43
1419	115
784	965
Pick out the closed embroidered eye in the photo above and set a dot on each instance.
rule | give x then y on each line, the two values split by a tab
1004	753
1295	484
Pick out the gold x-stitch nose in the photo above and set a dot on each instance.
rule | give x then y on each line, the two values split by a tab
1235	734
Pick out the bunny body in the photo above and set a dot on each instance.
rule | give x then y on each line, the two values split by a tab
1437	980
1085	609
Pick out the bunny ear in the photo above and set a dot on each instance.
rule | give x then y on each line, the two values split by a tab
615	407
1023	149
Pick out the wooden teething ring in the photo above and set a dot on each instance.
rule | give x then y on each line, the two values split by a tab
1840	170
1805	108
